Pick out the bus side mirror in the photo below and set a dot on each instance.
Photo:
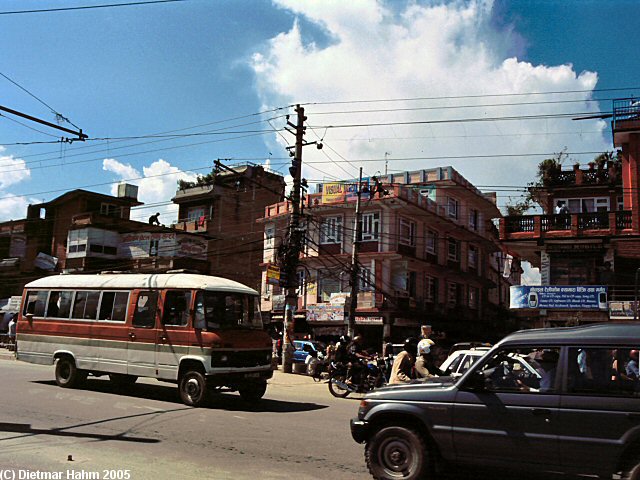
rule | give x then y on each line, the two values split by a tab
29	317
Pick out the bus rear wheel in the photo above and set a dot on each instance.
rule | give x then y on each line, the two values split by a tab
67	374
193	388
252	392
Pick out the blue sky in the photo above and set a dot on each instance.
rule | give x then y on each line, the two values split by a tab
199	66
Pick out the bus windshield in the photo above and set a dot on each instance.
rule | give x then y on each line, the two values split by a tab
225	310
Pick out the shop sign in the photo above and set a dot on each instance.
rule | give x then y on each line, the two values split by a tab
323	312
273	275
622	311
369	320
587	297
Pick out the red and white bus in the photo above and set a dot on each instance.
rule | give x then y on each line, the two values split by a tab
199	331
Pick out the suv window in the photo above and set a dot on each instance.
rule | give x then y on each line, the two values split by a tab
603	371
522	370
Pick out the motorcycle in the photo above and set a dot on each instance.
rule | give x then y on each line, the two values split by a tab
345	379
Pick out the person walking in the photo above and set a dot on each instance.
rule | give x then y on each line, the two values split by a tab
402	370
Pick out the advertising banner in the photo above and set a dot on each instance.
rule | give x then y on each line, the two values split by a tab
333	192
323	312
273	275
579	297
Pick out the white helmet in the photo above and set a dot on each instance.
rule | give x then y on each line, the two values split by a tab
424	346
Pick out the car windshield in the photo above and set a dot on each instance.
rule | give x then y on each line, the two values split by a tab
224	310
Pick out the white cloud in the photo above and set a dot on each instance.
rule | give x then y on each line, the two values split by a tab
12	170
13	207
383	50
156	185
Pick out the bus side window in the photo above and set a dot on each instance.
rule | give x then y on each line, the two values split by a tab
176	307
144	315
199	317
35	303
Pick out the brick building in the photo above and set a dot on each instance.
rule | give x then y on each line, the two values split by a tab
225	207
589	231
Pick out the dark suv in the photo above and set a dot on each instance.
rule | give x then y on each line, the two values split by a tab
579	415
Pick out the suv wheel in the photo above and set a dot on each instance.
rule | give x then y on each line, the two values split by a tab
397	453
632	472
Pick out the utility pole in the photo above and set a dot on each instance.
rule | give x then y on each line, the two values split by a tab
294	246
353	299
81	136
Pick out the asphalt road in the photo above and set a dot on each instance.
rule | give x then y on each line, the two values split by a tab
297	431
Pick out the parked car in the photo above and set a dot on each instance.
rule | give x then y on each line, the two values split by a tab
459	361
580	413
303	347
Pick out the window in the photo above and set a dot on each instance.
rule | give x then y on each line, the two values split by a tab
331	230
585	205
522	370
407	232
176	308
474	294
144	316
453	250
302	283
195	213
220	310
113	306
431	242
328	283
35	303
620	202
411	284
473	257
452	207
452	294
109	209
365	283
370	229
602	371
60	304
474	217
85	305
269	233
431	289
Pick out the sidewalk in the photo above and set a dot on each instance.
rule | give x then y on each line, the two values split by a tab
281	378
7	354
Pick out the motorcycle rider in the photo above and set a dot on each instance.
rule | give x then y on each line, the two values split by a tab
425	366
402	370
359	360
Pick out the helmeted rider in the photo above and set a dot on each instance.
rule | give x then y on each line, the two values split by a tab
425	366
402	370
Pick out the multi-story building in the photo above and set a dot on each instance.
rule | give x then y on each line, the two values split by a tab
589	231
82	231
224	207
427	253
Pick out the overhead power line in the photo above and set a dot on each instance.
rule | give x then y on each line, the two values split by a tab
89	7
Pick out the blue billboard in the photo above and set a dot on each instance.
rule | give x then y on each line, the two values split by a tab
578	297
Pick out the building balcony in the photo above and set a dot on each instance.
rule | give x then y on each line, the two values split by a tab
188	225
593	224
626	120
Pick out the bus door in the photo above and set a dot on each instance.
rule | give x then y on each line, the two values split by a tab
173	335
141	351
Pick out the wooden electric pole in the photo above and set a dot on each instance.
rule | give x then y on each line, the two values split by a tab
353	298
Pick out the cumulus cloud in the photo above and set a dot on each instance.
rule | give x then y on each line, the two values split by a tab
13	207
453	58
156	184
12	170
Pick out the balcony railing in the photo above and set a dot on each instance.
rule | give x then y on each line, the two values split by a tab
563	224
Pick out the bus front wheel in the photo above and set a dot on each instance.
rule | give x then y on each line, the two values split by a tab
67	374
193	388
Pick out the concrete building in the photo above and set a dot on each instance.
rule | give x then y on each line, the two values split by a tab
428	254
